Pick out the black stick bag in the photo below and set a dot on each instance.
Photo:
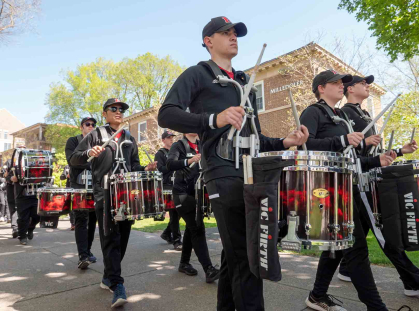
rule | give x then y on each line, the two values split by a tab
261	203
398	194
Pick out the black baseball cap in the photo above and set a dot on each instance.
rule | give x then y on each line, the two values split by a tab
167	134
112	101
357	79
222	23
329	76
87	119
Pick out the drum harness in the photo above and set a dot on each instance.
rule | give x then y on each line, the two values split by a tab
361	178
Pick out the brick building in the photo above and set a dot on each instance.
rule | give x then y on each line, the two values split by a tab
8	125
293	70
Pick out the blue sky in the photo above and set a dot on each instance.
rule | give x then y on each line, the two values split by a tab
70	33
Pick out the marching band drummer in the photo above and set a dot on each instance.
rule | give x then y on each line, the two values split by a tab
84	221
214	108
26	206
181	155
172	233
10	189
325	135
356	92
115	243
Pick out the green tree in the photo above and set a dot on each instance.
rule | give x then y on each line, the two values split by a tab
58	134
404	118
58	167
395	24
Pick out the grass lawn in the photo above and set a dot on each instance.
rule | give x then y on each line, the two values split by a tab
149	225
375	253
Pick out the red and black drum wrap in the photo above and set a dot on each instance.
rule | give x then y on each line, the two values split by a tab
34	166
261	200
396	196
54	201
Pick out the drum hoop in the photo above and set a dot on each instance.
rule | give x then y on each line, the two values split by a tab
55	190
82	191
311	168
325	156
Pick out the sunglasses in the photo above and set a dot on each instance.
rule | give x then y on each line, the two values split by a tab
114	109
87	124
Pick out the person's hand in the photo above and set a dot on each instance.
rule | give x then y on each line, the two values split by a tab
195	158
5	174
297	137
373	140
68	176
152	166
96	151
386	159
355	138
410	147
13	178
232	115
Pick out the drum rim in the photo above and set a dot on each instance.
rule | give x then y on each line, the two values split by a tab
82	191
324	169
308	155
54	190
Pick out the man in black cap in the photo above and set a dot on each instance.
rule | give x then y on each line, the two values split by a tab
115	243
214	109
84	221
356	92
172	232
326	135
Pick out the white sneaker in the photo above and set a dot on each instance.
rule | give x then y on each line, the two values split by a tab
324	304
411	292
344	278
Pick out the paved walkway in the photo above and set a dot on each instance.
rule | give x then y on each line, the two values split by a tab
43	276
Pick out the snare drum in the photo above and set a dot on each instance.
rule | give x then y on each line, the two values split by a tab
168	200
54	201
315	197
83	200
33	166
135	195
202	198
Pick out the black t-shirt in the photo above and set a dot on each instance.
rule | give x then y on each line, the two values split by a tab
161	158
195	91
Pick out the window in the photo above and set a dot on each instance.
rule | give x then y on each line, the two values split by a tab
260	98
5	134
7	146
142	128
371	108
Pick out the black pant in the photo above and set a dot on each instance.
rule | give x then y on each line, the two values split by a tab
358	266
12	205
85	223
194	236
173	230
27	216
238	288
409	273
72	218
113	246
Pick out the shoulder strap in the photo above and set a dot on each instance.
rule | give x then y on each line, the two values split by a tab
127	135
165	152
186	145
104	136
79	138
326	109
361	113
216	71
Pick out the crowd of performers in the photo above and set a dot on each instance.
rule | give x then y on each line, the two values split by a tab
204	105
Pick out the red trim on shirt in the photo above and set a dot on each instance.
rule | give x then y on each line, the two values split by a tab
193	146
230	73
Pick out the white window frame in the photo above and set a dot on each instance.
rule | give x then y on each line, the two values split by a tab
6	133
263	94
139	132
372	111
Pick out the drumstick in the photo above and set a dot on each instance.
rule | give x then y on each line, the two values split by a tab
390	143
383	127
249	170
295	113
244	169
248	87
413	135
109	140
148	156
375	120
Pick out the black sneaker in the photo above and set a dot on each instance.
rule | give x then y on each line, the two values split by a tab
167	238
212	274
187	269
30	235
83	263
92	258
405	308
24	241
178	246
15	233
325	303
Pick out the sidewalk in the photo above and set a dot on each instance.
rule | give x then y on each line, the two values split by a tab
43	276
